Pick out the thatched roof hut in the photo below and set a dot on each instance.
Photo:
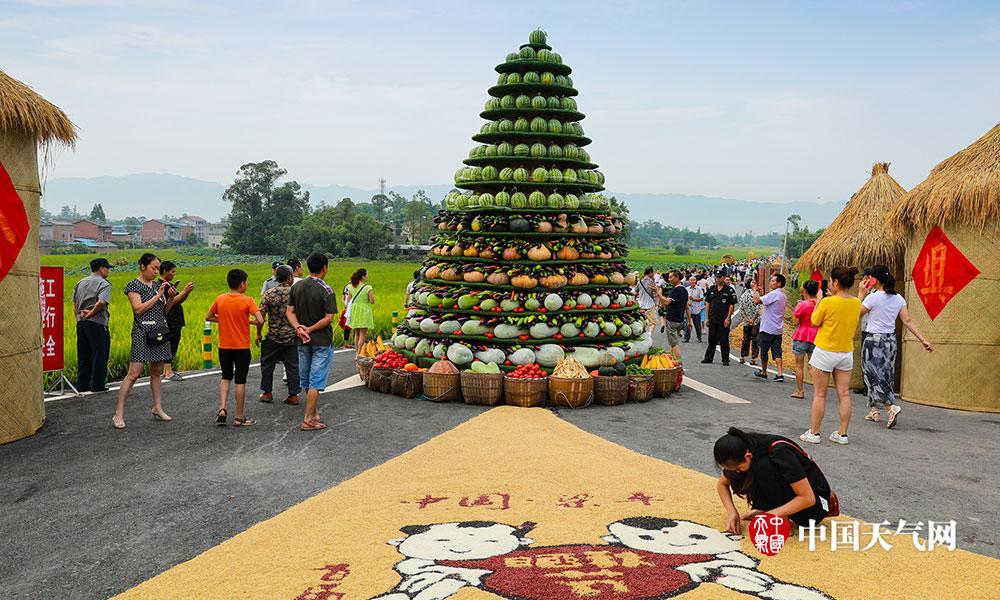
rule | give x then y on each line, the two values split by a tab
22	109
952	270
859	236
26	121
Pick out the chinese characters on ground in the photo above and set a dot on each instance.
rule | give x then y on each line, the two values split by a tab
502	500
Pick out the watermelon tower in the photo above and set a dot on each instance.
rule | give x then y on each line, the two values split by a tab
528	264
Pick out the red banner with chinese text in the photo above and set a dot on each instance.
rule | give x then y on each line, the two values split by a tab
940	272
50	296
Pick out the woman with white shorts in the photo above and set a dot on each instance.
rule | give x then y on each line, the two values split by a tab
837	317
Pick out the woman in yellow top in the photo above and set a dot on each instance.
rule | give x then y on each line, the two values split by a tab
837	317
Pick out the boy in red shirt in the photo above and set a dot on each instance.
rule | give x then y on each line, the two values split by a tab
233	311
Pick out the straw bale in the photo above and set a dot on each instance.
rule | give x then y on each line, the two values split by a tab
21	108
859	236
962	189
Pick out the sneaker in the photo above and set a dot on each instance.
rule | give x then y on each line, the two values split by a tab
894	410
809	436
760	374
779	378
836	438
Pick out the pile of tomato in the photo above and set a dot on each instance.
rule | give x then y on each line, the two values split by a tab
390	359
534	371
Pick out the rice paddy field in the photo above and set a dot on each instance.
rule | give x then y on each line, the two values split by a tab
208	272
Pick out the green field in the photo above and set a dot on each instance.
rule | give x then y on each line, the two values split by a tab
209	276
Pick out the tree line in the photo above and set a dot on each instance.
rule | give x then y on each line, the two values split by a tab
268	217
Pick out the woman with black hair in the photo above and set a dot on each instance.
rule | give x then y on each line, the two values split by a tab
774	475
878	350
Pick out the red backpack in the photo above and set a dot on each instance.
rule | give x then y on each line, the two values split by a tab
834	501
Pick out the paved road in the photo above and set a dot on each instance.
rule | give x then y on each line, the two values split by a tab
89	511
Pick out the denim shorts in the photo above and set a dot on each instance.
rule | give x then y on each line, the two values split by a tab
802	347
314	366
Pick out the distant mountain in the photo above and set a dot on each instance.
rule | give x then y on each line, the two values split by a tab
156	194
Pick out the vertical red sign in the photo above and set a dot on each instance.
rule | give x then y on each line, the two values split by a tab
50	295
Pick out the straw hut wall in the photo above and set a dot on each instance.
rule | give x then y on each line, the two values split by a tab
860	237
27	121
961	196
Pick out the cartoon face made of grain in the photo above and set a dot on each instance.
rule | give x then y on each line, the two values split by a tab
466	540
669	536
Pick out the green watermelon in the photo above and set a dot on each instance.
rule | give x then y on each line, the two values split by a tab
547	78
556	58
505	125
523	101
491	127
505	149
492	104
539	125
572	202
520	174
569	176
555	151
522	125
475	151
513	78
469	174
594	177
583	156
600	178
506	174
537	37
475	174
513	56
531	77
502	198
578	128
538	102
555	175
568	103
555	126
544	55
569	81
489	173
473	202
528	53
460	175
500	81
571	151
507	101
581	176
521	150
485	128
560	80
490	150
538	150
554	102
555	200
540	175
486	199
518	200
536	200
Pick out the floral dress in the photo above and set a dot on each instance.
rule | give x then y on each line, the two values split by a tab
142	351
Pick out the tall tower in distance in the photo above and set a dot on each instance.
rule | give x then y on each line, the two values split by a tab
383	183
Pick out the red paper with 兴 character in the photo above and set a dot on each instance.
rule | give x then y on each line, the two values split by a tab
940	272
13	223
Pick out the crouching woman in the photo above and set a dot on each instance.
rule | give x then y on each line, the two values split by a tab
774	475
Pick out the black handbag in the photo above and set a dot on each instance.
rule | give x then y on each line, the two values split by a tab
157	335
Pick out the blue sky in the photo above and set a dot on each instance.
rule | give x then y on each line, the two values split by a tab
765	101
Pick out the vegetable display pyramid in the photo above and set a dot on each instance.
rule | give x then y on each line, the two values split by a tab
528	264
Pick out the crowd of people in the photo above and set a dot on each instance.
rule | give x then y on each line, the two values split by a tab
298	310
772	472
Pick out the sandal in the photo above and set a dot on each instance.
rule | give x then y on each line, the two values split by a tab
221	418
797	395
312	425
873	416
243	422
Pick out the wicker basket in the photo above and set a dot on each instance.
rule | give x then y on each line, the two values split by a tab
364	367
380	380
484	389
526	392
572	393
664	382
640	388
407	384
442	387
610	391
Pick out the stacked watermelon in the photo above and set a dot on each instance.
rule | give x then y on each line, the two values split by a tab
528	265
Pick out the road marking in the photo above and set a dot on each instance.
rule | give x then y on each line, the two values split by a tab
346	383
757	367
146	383
713	392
